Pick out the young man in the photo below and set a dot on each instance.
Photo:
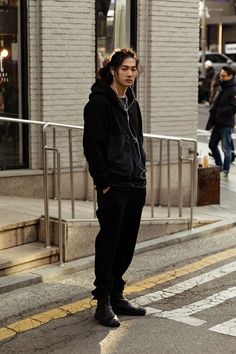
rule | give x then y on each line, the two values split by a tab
223	111
113	148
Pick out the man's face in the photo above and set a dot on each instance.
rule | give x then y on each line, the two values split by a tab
224	76
126	74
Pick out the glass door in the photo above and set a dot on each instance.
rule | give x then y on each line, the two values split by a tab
115	20
13	142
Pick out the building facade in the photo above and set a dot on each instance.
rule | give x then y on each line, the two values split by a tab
221	27
55	48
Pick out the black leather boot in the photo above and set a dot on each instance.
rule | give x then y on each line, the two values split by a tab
122	306
104	314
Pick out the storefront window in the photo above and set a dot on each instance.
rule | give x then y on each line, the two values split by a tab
113	27
11	135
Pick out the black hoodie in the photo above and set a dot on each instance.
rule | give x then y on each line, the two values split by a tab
113	139
224	105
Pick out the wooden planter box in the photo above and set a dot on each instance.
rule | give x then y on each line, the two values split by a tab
208	191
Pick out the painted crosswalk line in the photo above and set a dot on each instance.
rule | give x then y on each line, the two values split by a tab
228	327
184	314
185	285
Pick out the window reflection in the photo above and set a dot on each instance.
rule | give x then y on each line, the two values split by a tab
10	134
113	27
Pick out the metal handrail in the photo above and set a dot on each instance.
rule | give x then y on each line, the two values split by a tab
45	126
162	138
46	193
181	159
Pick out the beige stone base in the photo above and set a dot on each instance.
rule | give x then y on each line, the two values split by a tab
79	236
28	183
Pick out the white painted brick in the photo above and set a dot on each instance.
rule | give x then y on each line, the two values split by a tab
67	66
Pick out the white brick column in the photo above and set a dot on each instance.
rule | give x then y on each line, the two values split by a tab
67	63
168	49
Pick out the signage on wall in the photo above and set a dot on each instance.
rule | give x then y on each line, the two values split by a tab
230	48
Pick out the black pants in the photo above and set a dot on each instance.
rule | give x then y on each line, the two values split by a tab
119	213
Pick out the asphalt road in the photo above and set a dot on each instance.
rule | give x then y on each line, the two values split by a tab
189	291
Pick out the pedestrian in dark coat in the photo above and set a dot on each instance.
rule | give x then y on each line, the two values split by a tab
206	84
223	117
112	143
215	83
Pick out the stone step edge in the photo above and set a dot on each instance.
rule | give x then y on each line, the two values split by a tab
40	253
19	224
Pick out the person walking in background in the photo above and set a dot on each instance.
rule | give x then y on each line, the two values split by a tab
223	118
206	84
215	82
112	143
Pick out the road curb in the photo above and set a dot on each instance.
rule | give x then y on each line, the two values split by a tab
184	236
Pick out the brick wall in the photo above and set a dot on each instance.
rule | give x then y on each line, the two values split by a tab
61	75
61	79
168	48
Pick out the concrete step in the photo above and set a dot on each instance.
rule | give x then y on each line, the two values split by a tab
18	233
28	256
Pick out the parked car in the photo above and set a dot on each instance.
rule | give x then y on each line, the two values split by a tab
218	60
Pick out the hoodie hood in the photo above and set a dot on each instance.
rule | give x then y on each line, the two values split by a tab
100	88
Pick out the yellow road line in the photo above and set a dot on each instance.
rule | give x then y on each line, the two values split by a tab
81	305
24	325
179	272
6	333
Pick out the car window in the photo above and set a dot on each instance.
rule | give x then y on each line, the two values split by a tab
216	58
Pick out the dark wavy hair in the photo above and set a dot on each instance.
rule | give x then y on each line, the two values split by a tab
229	70
114	62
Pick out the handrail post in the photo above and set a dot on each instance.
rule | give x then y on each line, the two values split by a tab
180	176
45	185
168	176
71	176
191	194
87	181
160	170
94	203
59	208
195	173
151	178
54	164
